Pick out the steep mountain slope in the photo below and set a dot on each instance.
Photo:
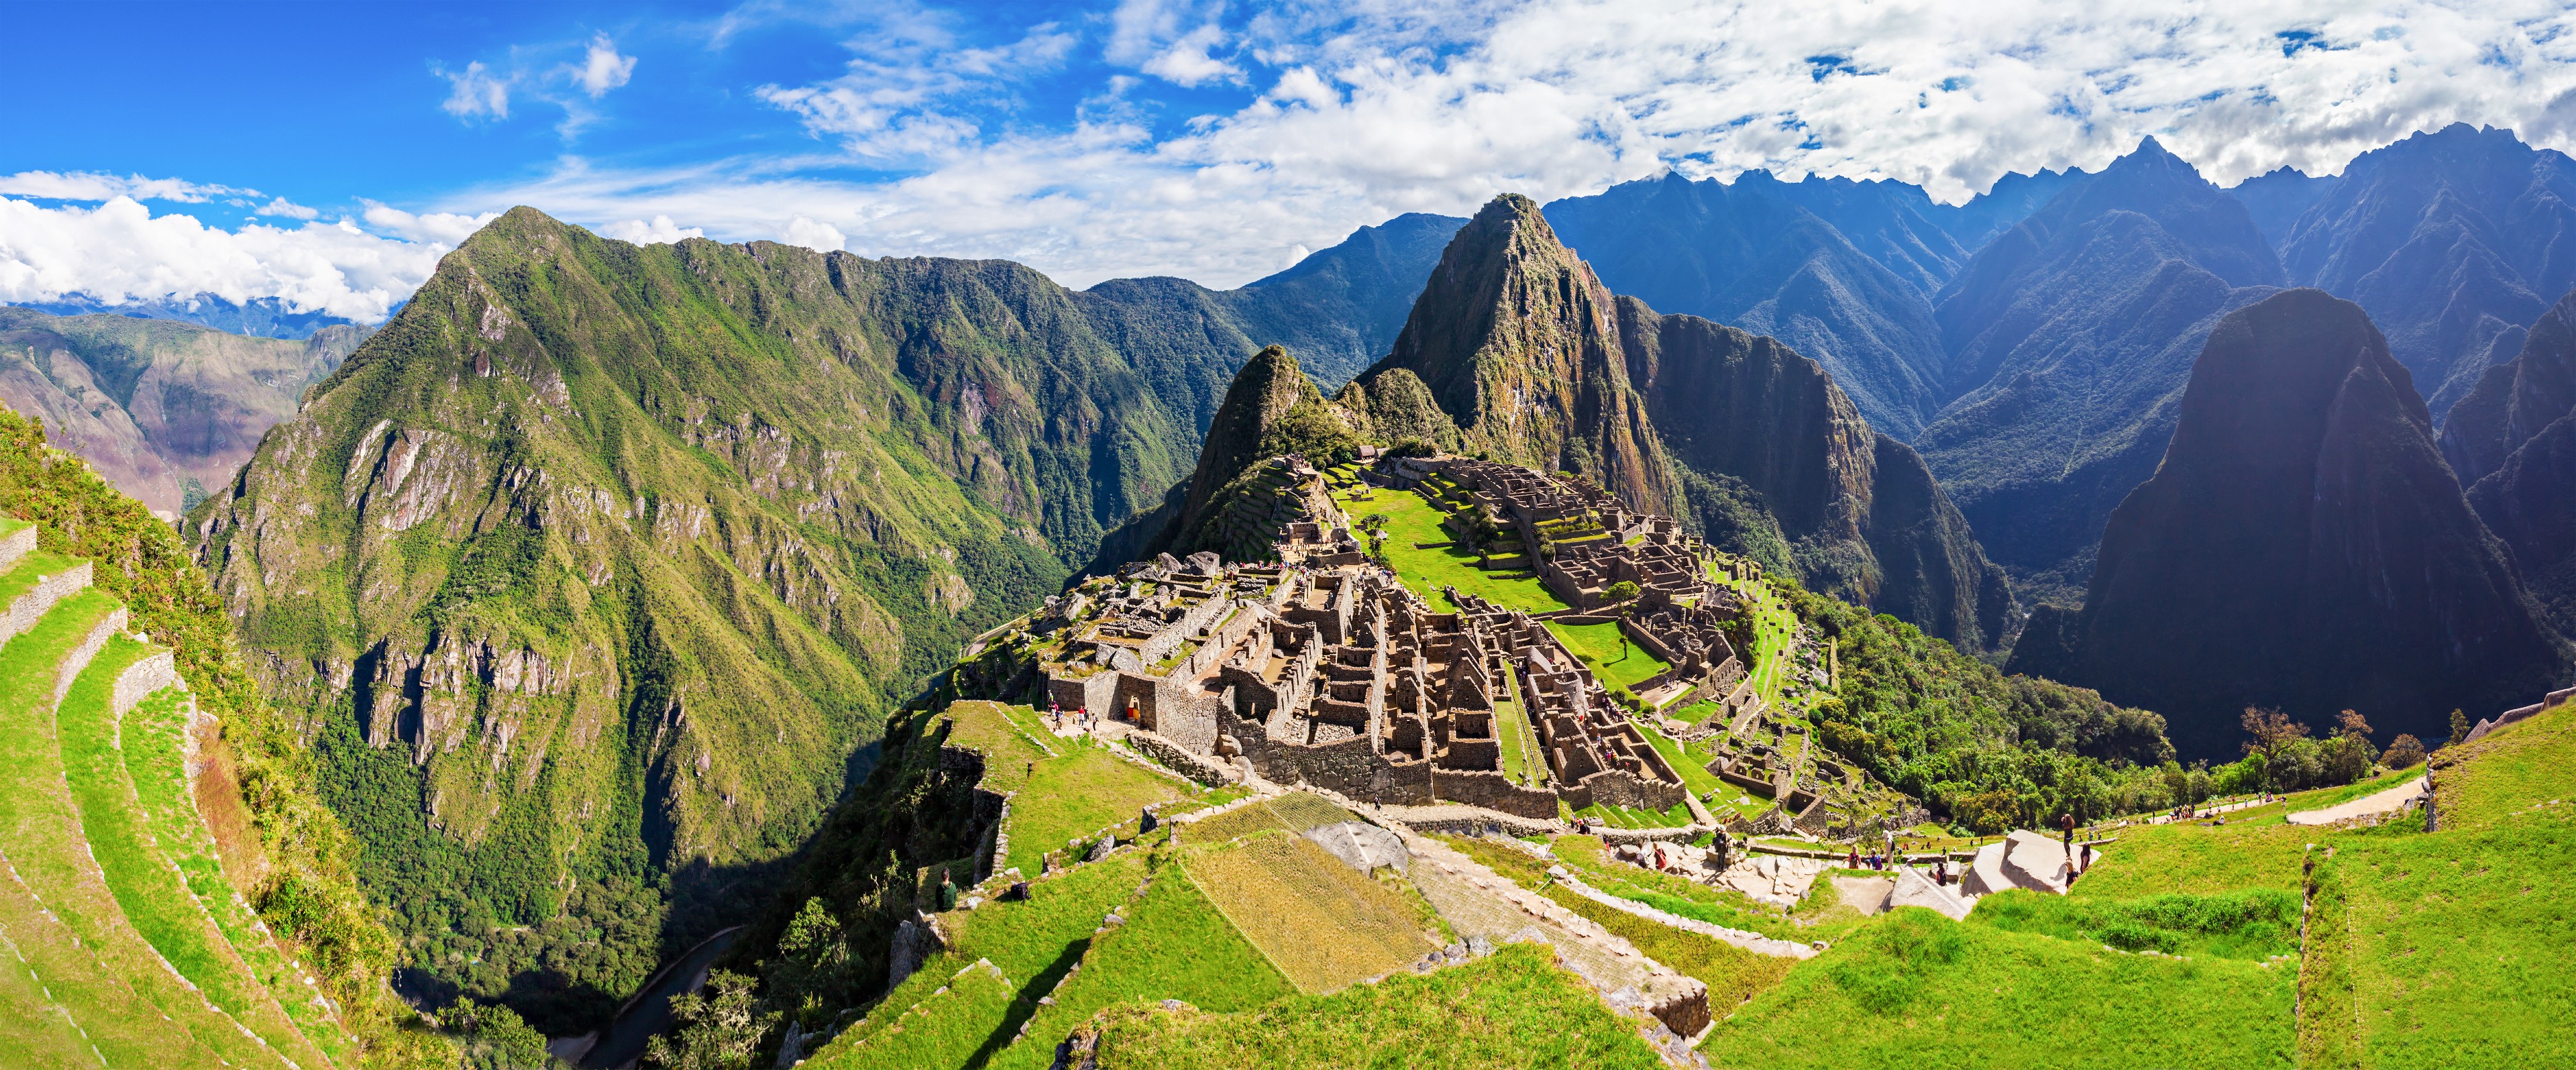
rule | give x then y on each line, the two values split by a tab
2009	201
2513	440
2070	337
2302	546
1750	255
1894	223
164	409
605	560
2278	197
2452	241
1859	511
1515	351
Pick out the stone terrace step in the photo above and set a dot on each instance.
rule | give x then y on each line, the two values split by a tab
32	585
152	892
116	986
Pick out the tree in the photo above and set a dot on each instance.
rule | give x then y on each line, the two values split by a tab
718	1032
1622	591
2403	752
496	1038
2274	732
2460	727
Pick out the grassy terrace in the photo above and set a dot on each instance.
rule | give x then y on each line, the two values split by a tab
1601	647
1915	989
1067	787
1517	737
1175	945
1514	1008
151	893
1773	626
1412	519
58	911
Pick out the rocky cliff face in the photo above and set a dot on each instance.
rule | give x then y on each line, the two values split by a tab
2513	440
2070	337
600	565
1514	338
1749	254
2302	546
1860	513
164	410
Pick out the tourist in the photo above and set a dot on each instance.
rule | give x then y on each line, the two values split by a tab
2067	823
1854	861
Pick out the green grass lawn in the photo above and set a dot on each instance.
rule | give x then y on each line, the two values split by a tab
1600	646
1916	989
1065	787
1514	1008
1175	945
153	896
2251	925
1079	794
2196	859
1517	738
1411	520
2511	769
952	1026
1694	770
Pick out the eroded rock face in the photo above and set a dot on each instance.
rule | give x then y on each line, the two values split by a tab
2303	479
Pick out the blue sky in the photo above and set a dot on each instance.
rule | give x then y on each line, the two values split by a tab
326	154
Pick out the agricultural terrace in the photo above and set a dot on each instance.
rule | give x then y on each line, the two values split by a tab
1609	654
1323	924
1775	625
1427	557
1068	788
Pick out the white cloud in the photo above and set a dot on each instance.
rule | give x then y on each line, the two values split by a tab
661	231
93	186
1188	62
119	251
445	228
287	208
602	69
820	237
476	92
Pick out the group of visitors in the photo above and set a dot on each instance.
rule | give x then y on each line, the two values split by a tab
1082	719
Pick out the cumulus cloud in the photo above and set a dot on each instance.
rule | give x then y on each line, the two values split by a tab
1150	36
661	231
120	252
820	237
476	92
602	69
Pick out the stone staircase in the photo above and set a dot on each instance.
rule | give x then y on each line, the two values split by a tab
122	943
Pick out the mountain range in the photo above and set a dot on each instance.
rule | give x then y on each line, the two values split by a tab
163	409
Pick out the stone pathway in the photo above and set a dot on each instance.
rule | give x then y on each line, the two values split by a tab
2375	803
